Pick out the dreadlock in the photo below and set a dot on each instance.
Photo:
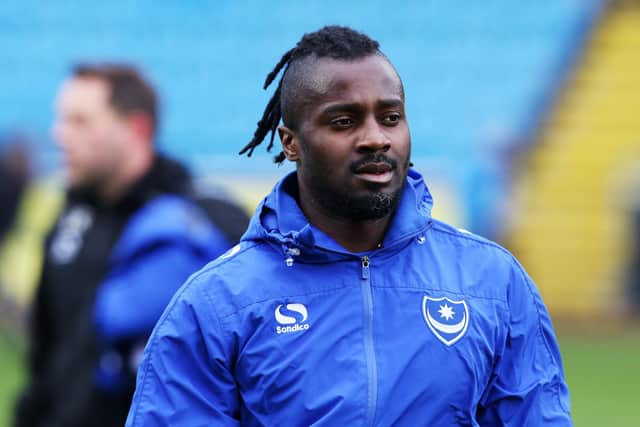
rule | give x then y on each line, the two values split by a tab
333	42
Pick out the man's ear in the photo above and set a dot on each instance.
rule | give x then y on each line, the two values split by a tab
140	124
290	146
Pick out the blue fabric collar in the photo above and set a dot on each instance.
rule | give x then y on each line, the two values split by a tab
280	219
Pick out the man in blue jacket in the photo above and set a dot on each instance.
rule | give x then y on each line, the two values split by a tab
129	235
346	303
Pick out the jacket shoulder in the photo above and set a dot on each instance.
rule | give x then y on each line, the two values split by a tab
477	257
246	274
167	218
466	239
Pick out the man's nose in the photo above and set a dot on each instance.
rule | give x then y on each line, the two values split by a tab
374	138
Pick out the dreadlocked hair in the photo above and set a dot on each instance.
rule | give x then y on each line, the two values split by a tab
333	42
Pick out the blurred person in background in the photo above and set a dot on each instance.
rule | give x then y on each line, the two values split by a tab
130	233
346	303
15	175
15	172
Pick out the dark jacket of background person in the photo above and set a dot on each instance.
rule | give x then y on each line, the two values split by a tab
11	187
14	177
108	273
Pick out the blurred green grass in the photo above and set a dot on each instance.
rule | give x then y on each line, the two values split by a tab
12	374
602	368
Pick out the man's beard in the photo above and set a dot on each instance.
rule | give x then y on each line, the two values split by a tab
354	207
343	203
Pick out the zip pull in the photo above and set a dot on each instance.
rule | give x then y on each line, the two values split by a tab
365	267
291	252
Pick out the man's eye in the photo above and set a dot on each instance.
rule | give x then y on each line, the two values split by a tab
391	119
342	122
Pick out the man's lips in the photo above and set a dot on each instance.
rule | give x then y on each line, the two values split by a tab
375	172
378	168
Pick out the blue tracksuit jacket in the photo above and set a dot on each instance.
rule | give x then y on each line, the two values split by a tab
159	247
437	327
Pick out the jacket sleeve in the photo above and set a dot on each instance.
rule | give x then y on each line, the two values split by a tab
185	376
130	301
161	246
527	385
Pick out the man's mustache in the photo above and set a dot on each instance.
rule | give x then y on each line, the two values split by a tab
379	158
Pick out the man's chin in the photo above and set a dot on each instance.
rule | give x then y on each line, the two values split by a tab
80	185
74	183
374	206
361	205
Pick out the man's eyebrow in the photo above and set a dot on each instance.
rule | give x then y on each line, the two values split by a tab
349	107
389	103
354	107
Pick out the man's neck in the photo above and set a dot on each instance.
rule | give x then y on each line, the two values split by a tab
133	168
355	236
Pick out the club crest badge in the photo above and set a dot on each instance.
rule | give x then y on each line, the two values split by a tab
447	319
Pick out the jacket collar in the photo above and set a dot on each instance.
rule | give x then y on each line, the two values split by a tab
165	176
279	219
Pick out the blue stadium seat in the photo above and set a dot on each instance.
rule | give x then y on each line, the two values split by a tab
467	66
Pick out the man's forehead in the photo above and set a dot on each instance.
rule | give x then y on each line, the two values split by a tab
322	76
83	92
86	84
312	82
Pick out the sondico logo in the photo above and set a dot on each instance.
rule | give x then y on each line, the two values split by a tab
292	316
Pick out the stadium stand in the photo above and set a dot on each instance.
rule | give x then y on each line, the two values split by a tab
478	74
582	180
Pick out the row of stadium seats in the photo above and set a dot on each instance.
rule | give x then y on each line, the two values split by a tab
473	71
583	182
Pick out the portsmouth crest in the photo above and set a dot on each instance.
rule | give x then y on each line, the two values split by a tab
447	319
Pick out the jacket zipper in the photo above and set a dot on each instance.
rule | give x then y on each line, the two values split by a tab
372	371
